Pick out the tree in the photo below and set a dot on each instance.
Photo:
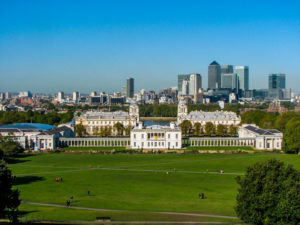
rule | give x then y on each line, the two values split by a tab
269	194
10	146
232	131
80	130
209	128
197	129
186	127
291	137
221	130
119	127
127	130
9	198
284	118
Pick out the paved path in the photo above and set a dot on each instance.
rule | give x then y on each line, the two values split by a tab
119	210
130	222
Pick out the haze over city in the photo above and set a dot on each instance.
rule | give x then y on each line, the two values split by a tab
47	46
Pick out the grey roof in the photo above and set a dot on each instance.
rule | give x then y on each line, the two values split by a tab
216	115
106	115
214	63
262	131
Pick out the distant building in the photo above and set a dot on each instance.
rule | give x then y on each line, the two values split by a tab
37	136
93	94
156	137
226	69
216	117
185	87
60	96
25	94
243	77
269	139
181	78
277	81
195	83
277	86
229	80
214	75
95	121
130	88
76	96
124	91
7	95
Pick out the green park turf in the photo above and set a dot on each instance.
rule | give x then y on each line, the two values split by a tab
139	183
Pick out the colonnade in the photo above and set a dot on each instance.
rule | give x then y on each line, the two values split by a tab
94	142
222	141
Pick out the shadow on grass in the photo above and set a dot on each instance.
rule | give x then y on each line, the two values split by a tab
27	180
15	160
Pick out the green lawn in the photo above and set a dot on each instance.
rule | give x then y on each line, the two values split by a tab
140	183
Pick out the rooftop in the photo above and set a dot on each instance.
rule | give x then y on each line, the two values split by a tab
28	126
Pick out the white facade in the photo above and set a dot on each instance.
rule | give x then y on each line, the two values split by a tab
185	87
216	117
94	121
195	83
36	139
76	96
156	137
269	139
60	96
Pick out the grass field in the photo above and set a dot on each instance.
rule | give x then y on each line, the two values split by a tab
141	184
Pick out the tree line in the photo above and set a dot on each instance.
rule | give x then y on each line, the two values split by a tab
209	129
288	123
53	118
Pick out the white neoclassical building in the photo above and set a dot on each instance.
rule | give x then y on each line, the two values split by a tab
156	137
269	139
95	120
216	117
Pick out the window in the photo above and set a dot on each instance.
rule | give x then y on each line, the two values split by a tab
148	136
142	144
176	144
142	136
176	136
134	144
158	143
148	144
169	136
163	143
155	144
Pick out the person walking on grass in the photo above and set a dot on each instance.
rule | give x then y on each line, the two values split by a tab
88	193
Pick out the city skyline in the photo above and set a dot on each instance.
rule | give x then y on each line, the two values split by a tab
73	46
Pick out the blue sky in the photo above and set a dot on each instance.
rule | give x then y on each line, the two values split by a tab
47	46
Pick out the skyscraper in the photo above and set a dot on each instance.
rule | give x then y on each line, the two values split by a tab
277	81
195	83
181	78
76	96
243	77
185	87
229	80
60	96
130	88
226	69
214	75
